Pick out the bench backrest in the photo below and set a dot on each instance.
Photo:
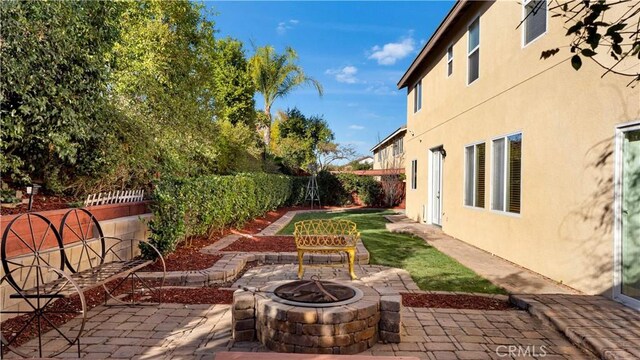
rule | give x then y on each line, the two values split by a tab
326	233
77	244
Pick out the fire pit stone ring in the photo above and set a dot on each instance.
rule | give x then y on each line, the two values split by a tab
347	326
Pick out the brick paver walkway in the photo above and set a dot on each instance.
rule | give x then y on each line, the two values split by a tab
174	331
604	327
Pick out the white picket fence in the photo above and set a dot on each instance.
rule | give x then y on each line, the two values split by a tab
115	197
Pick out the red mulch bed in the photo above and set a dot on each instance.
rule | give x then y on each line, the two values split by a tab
455	302
205	295
263	244
187	255
185	258
40	203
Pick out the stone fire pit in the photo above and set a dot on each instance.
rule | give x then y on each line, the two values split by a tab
306	317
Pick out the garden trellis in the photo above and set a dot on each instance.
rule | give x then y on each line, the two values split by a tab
115	197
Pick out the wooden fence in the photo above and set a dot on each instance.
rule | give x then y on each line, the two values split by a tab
115	197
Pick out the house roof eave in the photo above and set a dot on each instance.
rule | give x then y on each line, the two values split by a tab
453	14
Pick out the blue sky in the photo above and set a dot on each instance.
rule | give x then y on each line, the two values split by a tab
357	50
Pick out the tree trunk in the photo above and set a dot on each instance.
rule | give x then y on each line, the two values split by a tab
266	136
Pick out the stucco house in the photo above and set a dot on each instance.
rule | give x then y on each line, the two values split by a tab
388	154
523	157
364	160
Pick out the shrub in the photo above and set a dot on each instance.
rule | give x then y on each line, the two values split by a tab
369	190
298	190
331	189
339	189
198	206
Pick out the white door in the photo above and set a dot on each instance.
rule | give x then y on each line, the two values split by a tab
436	187
627	287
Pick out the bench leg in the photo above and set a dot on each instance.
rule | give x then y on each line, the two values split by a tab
352	258
300	268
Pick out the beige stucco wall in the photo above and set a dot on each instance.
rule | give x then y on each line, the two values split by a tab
389	161
568	120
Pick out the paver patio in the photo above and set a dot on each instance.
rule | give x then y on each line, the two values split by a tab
174	331
556	317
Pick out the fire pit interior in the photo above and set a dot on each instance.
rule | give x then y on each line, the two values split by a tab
314	292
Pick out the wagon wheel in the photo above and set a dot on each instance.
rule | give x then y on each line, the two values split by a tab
79	225
153	286
37	243
47	309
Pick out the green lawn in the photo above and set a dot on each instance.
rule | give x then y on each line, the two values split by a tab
429	268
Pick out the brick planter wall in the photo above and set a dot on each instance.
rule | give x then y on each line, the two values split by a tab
128	227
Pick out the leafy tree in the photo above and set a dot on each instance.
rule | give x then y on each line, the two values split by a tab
276	76
296	137
54	117
230	82
356	165
596	27
330	152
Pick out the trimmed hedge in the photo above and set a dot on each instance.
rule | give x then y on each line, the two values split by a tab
201	205
198	206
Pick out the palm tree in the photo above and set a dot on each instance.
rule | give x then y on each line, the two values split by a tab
275	76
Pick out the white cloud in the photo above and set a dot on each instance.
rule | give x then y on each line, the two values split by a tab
284	26
356	127
389	53
345	75
381	90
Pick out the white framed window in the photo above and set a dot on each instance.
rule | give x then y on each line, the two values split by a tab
535	20
450	60
473	51
506	181
414	174
474	178
397	147
417	96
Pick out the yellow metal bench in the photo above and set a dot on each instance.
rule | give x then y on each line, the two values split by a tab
326	236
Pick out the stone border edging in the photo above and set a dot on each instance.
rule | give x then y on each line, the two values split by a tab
232	263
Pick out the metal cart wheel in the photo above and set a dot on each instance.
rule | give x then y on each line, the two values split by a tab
39	246
153	288
47	308
80	225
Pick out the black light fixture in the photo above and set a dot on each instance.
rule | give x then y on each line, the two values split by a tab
32	190
443	152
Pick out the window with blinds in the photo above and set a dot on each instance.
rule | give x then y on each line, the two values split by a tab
507	174
535	19
474	175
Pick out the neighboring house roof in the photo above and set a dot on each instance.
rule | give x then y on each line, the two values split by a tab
376	172
453	14
401	130
364	158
